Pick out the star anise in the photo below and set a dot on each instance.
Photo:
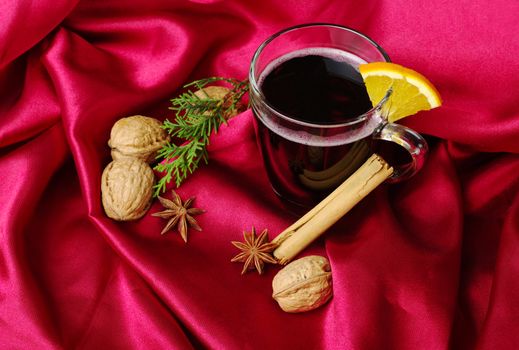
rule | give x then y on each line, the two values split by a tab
179	214
255	251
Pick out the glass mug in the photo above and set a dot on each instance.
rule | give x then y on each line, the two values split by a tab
309	149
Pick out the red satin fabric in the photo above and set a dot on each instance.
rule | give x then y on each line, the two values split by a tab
432	263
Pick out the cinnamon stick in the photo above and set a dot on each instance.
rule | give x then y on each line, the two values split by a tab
304	231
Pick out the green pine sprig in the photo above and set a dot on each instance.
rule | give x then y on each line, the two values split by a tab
196	119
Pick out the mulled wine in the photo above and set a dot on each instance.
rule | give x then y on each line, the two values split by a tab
314	120
316	89
321	91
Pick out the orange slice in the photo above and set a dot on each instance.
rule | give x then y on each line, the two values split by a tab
411	91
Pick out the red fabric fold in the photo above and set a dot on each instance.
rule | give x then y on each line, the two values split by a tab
429	263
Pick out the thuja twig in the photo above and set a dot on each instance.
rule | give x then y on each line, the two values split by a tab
198	115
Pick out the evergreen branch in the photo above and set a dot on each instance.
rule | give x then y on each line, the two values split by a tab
208	81
196	119
180	162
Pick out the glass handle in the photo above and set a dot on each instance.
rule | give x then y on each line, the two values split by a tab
410	140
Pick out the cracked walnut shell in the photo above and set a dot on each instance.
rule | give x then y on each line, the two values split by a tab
127	188
303	285
137	137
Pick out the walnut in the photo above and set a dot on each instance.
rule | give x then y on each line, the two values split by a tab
214	92
218	93
137	137
126	189
303	285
